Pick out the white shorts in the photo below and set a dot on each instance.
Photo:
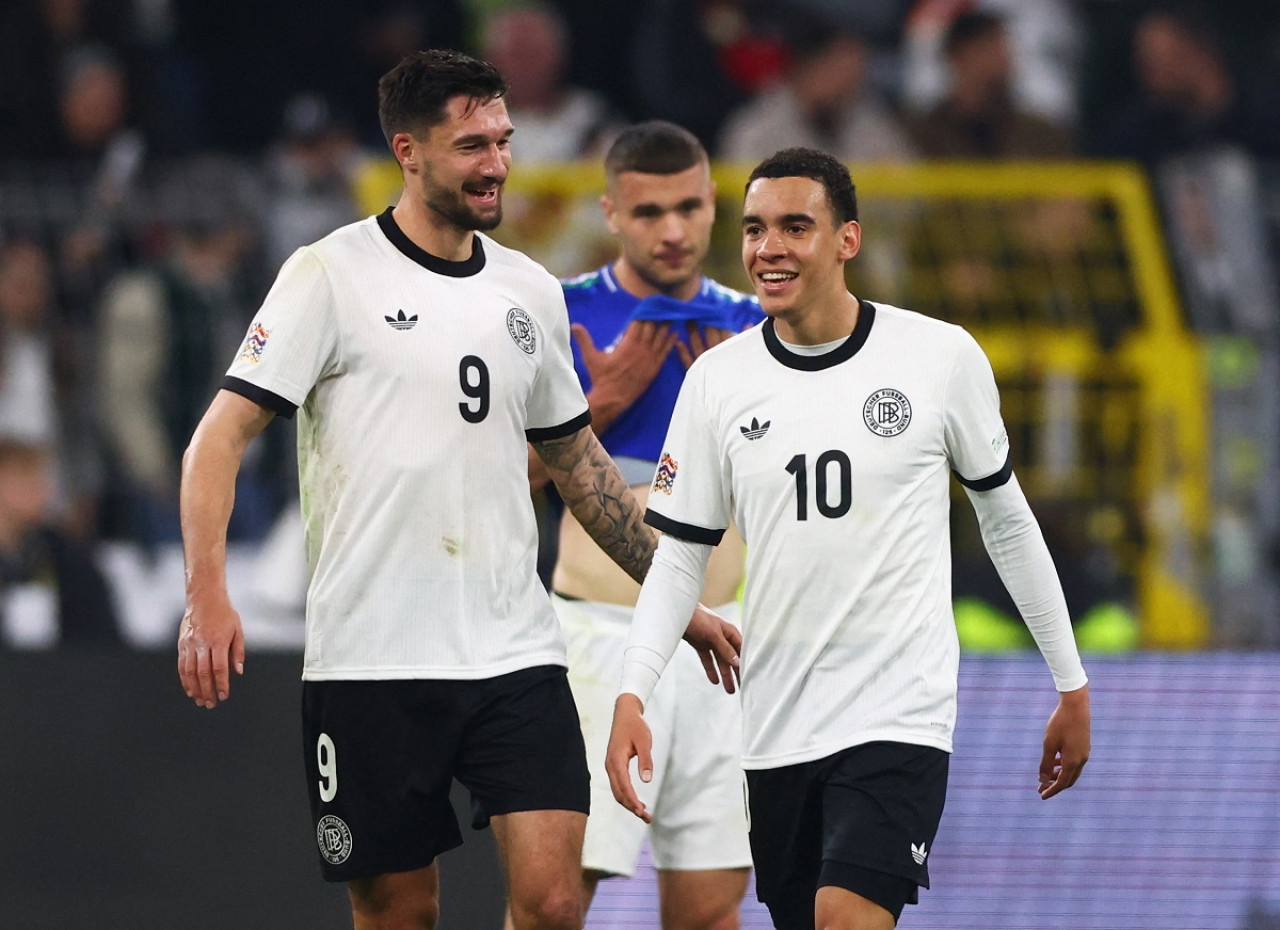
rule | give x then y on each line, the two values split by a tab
697	795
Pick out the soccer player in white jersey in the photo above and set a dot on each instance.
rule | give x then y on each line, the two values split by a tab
828	435
422	355
639	321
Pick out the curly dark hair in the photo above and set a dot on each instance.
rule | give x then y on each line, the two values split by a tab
826	169
413	95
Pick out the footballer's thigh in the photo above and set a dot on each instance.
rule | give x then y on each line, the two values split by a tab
541	855
595	637
700	835
523	761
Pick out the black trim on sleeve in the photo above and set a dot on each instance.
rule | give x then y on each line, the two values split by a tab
547	433
991	481
841	353
463	269
260	396
686	531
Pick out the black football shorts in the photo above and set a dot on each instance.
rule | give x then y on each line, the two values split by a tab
381	757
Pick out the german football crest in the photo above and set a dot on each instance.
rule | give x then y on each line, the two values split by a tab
521	329
887	412
334	839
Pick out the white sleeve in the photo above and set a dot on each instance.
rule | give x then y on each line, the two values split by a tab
1017	547
977	444
557	405
690	493
667	600
293	341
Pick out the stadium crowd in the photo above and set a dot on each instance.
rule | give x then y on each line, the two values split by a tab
159	159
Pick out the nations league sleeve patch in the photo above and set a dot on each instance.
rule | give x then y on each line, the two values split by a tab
666	476
254	343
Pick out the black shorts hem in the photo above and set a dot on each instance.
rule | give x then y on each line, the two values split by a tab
892	892
342	874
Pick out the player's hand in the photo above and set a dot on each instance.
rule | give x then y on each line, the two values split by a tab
719	643
620	376
1066	743
629	739
210	644
700	340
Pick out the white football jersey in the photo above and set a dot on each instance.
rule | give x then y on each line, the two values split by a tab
419	381
836	468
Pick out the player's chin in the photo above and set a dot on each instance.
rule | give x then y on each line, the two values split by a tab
487	220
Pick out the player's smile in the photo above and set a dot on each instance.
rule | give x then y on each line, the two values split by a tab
776	282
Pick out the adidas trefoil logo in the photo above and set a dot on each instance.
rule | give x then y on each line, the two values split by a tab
399	321
756	430
919	853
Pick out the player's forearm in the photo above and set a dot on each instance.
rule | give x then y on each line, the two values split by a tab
538	474
207	496
598	497
1017	548
667	599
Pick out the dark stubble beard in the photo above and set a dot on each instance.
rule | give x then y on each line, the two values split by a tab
453	207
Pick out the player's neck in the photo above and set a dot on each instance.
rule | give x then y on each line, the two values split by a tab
631	282
819	323
432	233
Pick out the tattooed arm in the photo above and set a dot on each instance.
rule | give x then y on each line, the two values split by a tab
598	496
596	493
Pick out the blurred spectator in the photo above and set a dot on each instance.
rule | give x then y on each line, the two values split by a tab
1046	39
168	333
554	121
309	178
98	159
678	70
822	101
36	39
28	398
51	593
978	117
1188	96
43	385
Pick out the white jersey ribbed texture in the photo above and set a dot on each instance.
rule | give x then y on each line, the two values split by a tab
417	384
837	469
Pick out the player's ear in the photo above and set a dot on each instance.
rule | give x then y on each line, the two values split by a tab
607	205
402	147
850	237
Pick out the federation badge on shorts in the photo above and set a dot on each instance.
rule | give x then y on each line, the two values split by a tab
887	412
334	839
666	476
254	343
521	329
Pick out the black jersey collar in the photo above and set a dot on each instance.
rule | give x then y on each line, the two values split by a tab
841	353
463	269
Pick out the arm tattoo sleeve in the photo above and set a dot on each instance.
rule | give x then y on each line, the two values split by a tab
598	496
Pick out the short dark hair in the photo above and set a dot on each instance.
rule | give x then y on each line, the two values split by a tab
654	147
967	27
413	95
826	169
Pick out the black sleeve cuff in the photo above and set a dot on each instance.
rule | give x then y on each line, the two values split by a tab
991	481
547	433
685	531
260	396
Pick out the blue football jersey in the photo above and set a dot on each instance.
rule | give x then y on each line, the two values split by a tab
599	303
